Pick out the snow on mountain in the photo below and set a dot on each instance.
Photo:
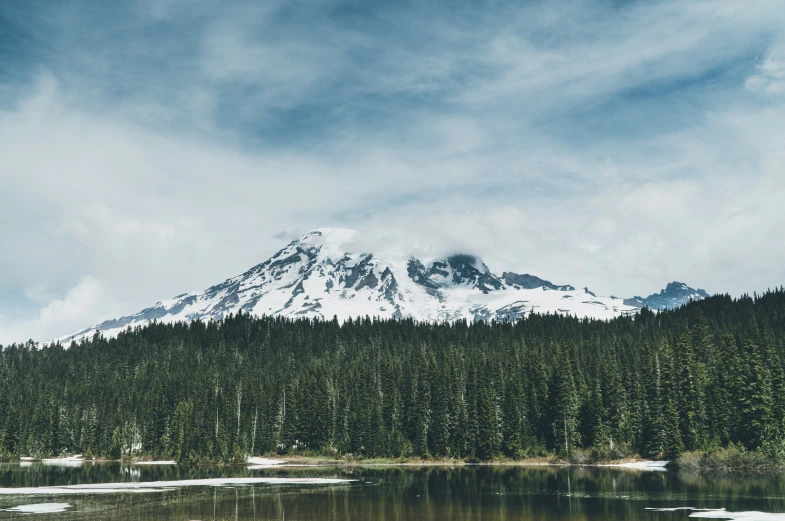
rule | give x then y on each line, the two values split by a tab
674	295
315	276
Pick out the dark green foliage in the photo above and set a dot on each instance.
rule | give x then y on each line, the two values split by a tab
696	378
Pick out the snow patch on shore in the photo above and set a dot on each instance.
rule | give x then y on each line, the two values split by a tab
657	466
70	461
168	462
75	457
267	462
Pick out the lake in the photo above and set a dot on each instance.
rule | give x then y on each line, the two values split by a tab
115	491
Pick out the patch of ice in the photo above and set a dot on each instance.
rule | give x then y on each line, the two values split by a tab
747	516
721	513
170	462
674	509
40	508
157	486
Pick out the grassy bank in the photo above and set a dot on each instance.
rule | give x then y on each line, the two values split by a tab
355	461
580	459
731	459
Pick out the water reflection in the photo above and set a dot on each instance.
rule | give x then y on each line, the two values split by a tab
398	494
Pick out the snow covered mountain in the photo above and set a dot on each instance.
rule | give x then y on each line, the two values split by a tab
315	277
674	295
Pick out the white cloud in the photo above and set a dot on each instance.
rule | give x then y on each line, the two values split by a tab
477	131
287	236
608	51
78	307
79	303
770	74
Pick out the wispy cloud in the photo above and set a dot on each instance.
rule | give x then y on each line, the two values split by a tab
769	77
153	148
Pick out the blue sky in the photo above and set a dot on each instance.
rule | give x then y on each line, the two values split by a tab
155	147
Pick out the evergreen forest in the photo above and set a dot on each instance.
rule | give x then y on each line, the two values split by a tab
708	374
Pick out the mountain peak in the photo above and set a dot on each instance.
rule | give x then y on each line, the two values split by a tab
331	243
322	275
674	295
527	281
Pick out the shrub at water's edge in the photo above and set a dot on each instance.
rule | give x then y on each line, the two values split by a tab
769	457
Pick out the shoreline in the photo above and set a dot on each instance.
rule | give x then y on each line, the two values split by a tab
693	462
277	461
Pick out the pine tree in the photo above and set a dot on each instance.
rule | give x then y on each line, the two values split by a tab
691	403
673	443
757	397
489	436
564	406
705	375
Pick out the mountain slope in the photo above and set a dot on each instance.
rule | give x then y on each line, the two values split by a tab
674	295
315	277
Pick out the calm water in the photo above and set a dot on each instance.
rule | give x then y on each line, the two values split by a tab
386	493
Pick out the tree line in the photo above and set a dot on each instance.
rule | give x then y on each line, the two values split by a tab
656	384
